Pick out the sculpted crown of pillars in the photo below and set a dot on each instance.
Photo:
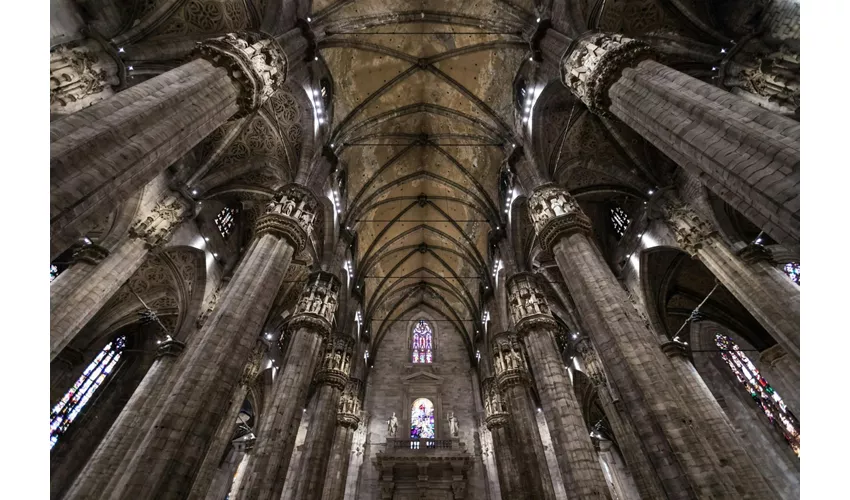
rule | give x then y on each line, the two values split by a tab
254	363
495	407
595	63
290	215
692	232
509	360
255	61
156	229
592	364
336	363
555	213
348	408
318	302
527	303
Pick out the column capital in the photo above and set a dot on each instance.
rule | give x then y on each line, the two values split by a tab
253	364
527	303
594	62
336	363
555	214
91	254
317	305
159	224
592	363
692	232
496	413
255	61
509	360
290	215
348	408
171	348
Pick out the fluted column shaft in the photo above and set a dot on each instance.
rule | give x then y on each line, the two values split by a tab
320	435
509	475
530	456
577	460
727	446
334	487
269	460
746	155
116	444
108	151
80	292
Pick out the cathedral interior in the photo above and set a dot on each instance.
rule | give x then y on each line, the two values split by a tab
424	249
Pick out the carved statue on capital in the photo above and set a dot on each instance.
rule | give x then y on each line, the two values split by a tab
80	75
255	61
508	359
336	362
495	407
159	224
254	363
291	215
692	232
596	62
555	213
528	304
348	408
592	363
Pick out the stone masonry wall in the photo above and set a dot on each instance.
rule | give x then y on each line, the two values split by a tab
385	393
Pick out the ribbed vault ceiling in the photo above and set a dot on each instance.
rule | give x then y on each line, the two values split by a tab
422	112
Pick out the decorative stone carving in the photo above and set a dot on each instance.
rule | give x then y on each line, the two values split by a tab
318	302
77	76
90	254
290	215
691	231
348	408
156	229
392	426
675	348
592	364
555	214
508	360
170	347
255	61
253	365
453	425
595	63
754	253
527	303
495	408
336	363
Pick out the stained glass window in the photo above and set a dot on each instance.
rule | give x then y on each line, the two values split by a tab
77	396
620	221
54	272
767	399
792	269
422	343
224	222
422	419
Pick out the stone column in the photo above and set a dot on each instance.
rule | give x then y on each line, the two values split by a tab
163	462
748	156
116	444
224	434
110	150
347	421
577	460
498	419
783	371
79	293
514	382
713	421
310	326
646	481
772	298
629	351
330	381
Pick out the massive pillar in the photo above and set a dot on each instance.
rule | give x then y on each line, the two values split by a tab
629	351
330	381
347	421
110	150
498	419
715	423
79	293
224	433
772	298
116	444
640	467
746	155
515	384
163	462
310	326
577	460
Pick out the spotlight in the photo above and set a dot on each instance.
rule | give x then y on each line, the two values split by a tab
121	50
129	68
651	191
194	191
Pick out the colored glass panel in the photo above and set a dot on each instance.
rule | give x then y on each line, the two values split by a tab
422	419
792	269
620	221
422	343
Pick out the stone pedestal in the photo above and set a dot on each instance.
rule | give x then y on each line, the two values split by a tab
310	326
108	151
514	383
577	460
635	365
746	155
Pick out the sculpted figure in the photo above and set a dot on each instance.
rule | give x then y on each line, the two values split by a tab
533	305
392	426
287	204
558	205
453	426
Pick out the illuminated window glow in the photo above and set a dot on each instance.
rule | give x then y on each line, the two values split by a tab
620	221
224	222
422	343
767	399
792	269
77	396
422	419
54	272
